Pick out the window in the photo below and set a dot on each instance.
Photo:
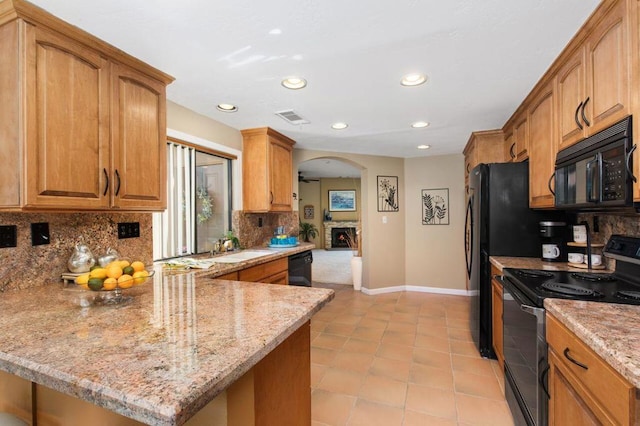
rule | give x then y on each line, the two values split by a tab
198	202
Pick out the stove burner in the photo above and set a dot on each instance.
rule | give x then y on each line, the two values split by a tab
628	294
570	290
529	273
593	277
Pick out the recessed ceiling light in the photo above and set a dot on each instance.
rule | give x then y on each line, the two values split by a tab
227	108
275	31
339	126
413	79
294	83
420	124
424	146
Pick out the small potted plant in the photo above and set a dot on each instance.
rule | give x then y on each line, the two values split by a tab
307	231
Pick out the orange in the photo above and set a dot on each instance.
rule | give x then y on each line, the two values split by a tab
109	284
125	281
139	277
114	271
137	266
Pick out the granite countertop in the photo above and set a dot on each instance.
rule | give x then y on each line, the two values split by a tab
501	262
611	330
180	341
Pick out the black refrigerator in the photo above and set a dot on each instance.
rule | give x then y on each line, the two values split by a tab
498	223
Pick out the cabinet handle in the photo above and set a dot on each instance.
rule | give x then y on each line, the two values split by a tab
575	116
118	185
511	153
468	165
578	363
271	201
549	184
106	186
628	164
584	117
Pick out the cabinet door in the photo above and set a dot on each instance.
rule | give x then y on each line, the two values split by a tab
542	149
607	70
521	134
281	166
138	141
566	407
571	96
67	156
509	147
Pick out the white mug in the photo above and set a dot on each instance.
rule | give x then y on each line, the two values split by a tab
596	259
550	251
576	257
580	234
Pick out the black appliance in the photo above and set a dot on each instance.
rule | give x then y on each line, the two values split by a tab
597	172
498	223
300	268
553	238
525	347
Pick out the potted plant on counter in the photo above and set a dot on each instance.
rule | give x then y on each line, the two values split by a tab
307	231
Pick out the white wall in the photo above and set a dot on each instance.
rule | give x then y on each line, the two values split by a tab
434	254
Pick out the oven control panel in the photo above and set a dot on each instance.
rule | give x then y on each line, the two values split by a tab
623	248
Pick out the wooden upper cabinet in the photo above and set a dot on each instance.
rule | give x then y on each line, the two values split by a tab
82	125
485	146
542	149
594	82
509	146
516	143
267	170
139	141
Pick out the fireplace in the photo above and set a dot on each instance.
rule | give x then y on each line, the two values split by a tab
342	226
340	236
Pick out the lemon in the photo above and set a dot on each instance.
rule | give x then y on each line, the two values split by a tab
123	263
137	266
98	273
82	279
95	284
125	281
139	277
110	283
114	271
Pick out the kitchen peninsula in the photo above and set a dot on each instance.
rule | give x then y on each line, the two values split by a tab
186	349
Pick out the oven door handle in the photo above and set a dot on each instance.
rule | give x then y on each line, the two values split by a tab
519	297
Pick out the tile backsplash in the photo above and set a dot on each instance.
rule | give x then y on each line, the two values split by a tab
250	234
29	266
611	225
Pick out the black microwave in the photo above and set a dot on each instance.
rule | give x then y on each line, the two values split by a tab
596	173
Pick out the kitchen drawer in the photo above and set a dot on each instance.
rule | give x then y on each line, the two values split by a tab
261	272
612	392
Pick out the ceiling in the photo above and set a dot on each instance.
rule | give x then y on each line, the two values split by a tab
481	59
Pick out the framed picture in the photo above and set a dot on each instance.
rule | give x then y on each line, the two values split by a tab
342	201
435	206
308	211
388	194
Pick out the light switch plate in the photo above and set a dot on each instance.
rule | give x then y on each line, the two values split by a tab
8	236
40	234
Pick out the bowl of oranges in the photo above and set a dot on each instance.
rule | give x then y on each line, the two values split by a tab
106	283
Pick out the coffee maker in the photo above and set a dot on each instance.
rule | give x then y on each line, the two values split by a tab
553	237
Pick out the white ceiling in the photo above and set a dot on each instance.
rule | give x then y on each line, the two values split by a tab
481	57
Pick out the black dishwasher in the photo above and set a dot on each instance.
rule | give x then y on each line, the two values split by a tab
300	268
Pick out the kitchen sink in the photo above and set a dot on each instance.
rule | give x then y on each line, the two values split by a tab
241	256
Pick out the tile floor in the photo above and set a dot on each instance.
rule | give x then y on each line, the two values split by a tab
400	359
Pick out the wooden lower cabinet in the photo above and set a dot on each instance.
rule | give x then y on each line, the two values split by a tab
274	272
276	391
496	322
584	389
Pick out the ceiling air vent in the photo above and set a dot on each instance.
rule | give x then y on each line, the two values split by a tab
291	117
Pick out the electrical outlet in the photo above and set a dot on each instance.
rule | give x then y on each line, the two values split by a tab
8	236
259	222
40	234
128	230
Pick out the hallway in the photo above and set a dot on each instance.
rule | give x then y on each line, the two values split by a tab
400	359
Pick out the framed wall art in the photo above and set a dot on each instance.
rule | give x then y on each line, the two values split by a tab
388	194
309	211
342	201
435	206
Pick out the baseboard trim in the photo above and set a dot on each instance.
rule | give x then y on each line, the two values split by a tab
418	289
